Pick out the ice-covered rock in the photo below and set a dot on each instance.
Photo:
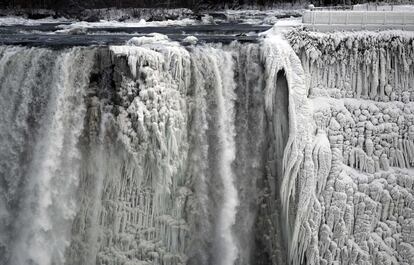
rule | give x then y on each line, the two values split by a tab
190	40
297	149
360	86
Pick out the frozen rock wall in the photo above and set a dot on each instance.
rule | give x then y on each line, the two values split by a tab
173	162
184	153
294	150
361	156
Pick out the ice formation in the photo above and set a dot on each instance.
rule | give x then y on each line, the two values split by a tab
361	212
297	149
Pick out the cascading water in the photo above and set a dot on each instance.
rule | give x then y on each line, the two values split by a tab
210	154
217	62
42	120
157	153
149	152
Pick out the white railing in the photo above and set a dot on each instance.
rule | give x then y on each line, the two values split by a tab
358	20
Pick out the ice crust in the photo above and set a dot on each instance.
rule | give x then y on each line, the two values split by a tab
360	207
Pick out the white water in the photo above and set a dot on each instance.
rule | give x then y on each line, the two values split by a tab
226	249
47	207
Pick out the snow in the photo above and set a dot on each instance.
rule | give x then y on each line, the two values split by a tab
346	189
288	22
14	20
278	54
130	23
190	40
264	17
285	22
382	7
152	128
169	168
358	20
360	86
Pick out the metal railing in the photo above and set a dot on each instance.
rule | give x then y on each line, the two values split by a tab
358	20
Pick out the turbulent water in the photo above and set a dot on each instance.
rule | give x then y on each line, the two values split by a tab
209	154
42	104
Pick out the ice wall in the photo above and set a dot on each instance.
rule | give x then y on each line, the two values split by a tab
294	150
179	166
292	187
361	210
159	181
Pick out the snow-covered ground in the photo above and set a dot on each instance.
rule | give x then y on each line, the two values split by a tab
206	20
68	28
373	7
254	16
15	20
236	24
122	18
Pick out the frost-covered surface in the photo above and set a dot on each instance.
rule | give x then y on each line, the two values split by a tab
179	170
146	17
340	20
366	65
278	55
139	205
152	201
384	7
125	14
135	24
256	16
297	149
360	208
108	14
15	20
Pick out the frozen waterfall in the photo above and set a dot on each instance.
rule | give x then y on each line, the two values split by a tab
224	85
297	149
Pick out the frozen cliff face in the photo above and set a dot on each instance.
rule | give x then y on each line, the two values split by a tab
179	166
360	207
366	65
294	150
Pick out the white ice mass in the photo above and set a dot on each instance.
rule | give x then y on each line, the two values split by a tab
295	149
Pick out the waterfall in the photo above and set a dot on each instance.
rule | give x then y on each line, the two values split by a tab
225	245
158	152
150	152
39	198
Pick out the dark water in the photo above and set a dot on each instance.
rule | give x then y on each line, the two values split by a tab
46	35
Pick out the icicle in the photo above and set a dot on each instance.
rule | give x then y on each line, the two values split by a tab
277	55
322	160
